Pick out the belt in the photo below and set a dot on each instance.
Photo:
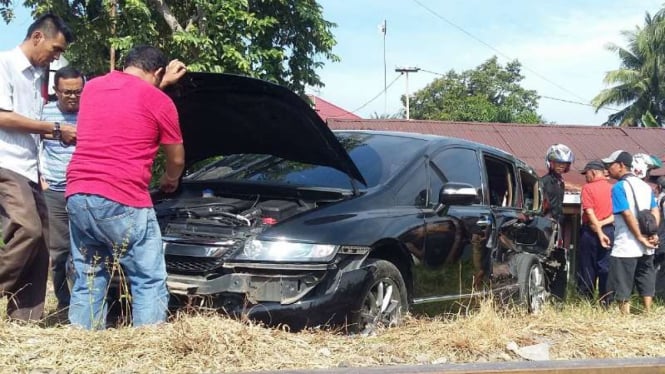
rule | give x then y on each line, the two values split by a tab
588	226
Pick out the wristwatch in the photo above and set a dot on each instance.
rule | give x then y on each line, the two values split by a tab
57	134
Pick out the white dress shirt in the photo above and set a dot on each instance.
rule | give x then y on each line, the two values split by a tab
20	92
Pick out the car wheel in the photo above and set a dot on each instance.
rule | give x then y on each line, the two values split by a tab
532	283
383	301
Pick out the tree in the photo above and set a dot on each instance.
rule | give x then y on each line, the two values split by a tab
398	115
6	10
488	93
639	80
283	41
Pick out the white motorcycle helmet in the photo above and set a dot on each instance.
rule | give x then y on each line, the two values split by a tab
559	153
642	163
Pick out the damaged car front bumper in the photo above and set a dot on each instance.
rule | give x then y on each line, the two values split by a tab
296	295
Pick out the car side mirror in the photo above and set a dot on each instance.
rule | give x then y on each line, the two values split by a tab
455	193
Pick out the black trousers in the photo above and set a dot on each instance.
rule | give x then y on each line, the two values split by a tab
24	255
58	244
593	262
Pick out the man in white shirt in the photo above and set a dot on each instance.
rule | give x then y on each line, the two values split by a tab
631	259
23	215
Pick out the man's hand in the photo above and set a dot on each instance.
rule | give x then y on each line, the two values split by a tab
653	240
42	183
604	240
650	242
68	134
167	184
174	71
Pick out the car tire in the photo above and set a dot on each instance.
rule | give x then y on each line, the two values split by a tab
383	300
532	283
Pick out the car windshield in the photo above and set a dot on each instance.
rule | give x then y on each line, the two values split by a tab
378	157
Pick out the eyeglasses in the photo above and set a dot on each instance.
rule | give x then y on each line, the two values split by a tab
71	92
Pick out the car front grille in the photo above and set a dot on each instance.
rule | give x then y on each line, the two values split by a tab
192	265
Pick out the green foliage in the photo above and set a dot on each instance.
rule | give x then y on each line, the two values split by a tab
6	10
283	41
488	93
638	83
398	115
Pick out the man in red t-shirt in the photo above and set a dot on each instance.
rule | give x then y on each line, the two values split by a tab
597	231
123	119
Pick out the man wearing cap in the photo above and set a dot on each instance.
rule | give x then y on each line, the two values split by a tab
631	259
597	231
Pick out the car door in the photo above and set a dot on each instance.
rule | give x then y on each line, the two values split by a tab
515	200
455	258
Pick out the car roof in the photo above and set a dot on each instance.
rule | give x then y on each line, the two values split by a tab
438	141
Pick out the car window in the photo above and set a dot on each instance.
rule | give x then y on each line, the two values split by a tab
373	154
501	182
456	165
414	191
530	191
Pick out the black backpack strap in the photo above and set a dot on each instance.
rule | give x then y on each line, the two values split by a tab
637	207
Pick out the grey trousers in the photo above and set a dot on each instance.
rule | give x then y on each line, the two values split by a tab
58	244
24	255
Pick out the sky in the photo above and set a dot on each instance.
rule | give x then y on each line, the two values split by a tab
560	44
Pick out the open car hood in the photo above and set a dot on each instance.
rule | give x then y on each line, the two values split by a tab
222	114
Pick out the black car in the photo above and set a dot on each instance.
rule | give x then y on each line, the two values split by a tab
288	222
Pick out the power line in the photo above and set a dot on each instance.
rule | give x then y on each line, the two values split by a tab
375	97
544	96
432	72
579	103
495	49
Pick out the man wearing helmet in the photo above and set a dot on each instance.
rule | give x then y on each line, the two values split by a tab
643	164
558	160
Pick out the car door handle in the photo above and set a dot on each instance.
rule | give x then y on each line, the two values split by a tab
484	221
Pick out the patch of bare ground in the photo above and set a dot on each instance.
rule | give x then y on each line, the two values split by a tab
209	342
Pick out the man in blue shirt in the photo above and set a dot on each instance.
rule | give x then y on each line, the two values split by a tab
54	157
631	259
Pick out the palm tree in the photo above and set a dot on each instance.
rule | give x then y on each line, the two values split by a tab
639	81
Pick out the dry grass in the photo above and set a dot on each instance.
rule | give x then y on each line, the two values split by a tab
213	343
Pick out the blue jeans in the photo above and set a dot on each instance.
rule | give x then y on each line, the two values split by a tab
105	234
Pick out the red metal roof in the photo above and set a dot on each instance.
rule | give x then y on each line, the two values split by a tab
328	111
530	142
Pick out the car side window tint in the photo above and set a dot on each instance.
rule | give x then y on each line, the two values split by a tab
501	182
414	191
457	165
530	191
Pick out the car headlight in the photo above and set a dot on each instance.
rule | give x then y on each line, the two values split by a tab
283	250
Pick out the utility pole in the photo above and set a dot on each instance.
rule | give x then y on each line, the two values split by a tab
113	13
384	28
406	71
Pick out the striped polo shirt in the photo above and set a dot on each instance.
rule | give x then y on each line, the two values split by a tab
53	155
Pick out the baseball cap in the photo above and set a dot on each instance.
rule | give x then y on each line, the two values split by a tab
593	165
619	156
